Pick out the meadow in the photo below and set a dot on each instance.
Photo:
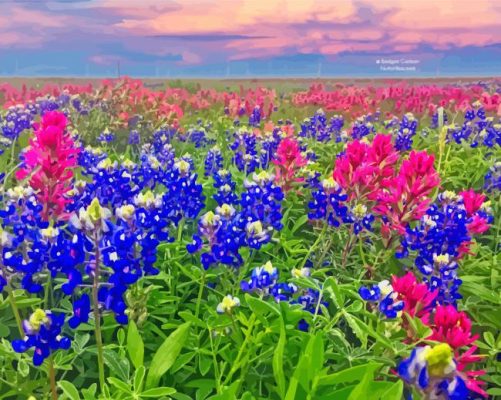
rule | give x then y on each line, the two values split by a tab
254	239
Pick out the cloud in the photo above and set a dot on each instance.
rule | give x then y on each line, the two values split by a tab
208	32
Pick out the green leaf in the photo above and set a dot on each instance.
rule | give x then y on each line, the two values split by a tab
90	392
362	390
139	379
158	392
229	393
358	328
69	390
260	307
120	385
118	365
135	345
394	392
23	368
299	223
348	375
166	354
332	287
278	362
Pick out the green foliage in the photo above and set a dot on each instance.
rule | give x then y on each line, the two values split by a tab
182	349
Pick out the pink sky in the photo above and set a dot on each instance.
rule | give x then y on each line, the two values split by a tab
205	31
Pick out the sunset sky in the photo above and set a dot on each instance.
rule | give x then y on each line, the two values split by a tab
233	38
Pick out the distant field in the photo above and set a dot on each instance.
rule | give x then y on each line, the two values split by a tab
285	84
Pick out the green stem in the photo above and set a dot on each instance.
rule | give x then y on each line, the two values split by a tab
180	230
243	347
216	367
236	329
347	250
312	248
200	293
97	317
52	378
361	249
15	311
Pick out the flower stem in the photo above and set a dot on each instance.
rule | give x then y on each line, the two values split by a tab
52	378
313	248
97	318
15	311
200	293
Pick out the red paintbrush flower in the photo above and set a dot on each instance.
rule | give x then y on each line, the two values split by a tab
288	160
417	297
48	163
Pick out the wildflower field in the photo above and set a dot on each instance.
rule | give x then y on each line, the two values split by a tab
337	241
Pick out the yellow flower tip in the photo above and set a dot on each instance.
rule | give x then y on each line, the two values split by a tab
439	359
95	211
255	228
49	232
268	267
263	176
359	211
105	164
209	218
449	195
182	166
38	318
126	212
441	259
228	304
329	183
225	210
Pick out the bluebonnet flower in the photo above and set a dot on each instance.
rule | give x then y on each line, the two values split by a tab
230	229
388	302
269	146
360	218
405	132
106	137
81	310
162	137
213	161
492	180
328	203
24	251
262	202
16	120
310	301
262	279
433	372
445	119
318	128
228	304
225	188
47	104
223	235
115	253
255	117
245	152
196	135
43	332
362	127
5	144
439	239
477	128
111	182
183	195
134	137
